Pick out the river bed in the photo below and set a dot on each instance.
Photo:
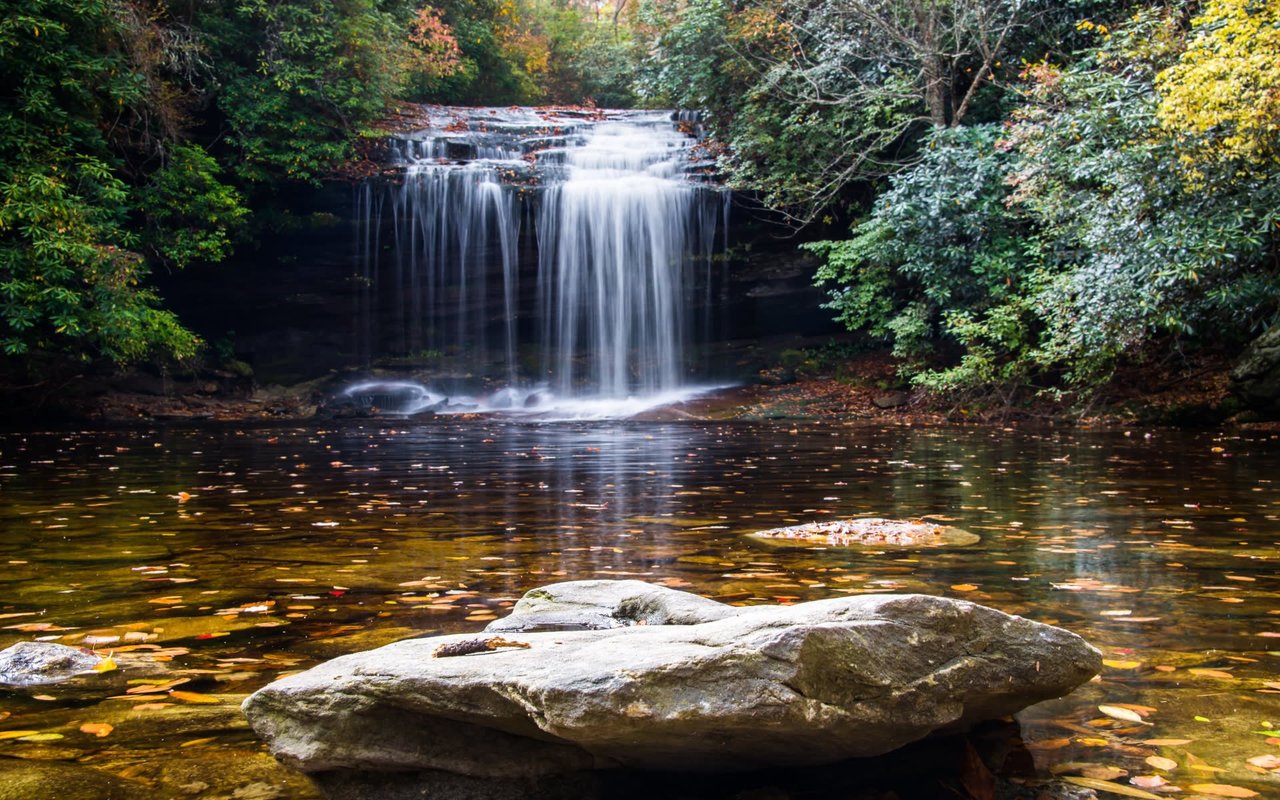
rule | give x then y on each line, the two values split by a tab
209	561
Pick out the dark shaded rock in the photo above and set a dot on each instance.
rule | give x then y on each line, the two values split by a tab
1256	376
810	684
890	400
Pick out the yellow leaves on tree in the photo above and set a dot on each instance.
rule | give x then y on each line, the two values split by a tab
1227	82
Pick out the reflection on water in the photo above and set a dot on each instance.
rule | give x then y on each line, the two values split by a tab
225	557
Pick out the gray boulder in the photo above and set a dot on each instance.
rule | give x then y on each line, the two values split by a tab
40	663
599	605
751	687
1256	376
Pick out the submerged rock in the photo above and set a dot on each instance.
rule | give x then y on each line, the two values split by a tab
42	663
867	531
762	686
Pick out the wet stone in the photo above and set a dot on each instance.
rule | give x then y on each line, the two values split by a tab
704	687
869	531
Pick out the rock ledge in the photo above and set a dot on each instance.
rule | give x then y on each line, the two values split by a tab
639	676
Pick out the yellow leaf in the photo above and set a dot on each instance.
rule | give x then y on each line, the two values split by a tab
16	734
1114	788
197	742
1160	762
1213	673
106	665
1222	790
1117	664
42	737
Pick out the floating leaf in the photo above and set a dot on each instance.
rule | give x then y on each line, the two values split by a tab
98	729
106	665
42	737
1197	763
193	697
1120	713
16	734
1114	788
1148	781
964	587
1118	664
1266	762
1213	673
1167	742
198	742
1160	762
1223	790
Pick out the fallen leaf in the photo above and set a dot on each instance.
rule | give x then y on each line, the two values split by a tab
1160	762
1213	673
197	742
1101	772
16	734
1266	762
1222	790
42	737
1114	788
1117	664
1148	781
1120	713
1197	763
1167	742
964	587
106	665
98	729
193	697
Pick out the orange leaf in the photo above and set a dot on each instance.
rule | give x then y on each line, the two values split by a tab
98	729
193	697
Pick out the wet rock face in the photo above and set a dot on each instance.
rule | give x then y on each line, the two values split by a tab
866	531
731	689
40	663
1256	376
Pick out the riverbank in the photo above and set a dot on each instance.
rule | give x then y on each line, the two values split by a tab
859	387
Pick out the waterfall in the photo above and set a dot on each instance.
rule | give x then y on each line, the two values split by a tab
547	253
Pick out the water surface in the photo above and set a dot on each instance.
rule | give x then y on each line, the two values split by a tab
223	558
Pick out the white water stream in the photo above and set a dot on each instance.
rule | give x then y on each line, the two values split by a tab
564	258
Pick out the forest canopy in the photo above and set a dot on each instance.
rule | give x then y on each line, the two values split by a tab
1041	193
1016	196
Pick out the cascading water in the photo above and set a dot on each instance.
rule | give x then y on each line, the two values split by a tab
593	304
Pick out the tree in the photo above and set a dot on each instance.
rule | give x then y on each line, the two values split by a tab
81	115
1226	87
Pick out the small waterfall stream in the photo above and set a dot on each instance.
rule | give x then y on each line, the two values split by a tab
532	258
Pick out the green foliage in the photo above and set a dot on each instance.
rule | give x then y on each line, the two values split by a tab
190	213
1084	233
69	281
938	243
298	78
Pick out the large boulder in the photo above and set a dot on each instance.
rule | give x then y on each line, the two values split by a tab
758	686
1256	376
27	664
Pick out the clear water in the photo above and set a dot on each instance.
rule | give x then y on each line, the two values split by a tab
227	557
